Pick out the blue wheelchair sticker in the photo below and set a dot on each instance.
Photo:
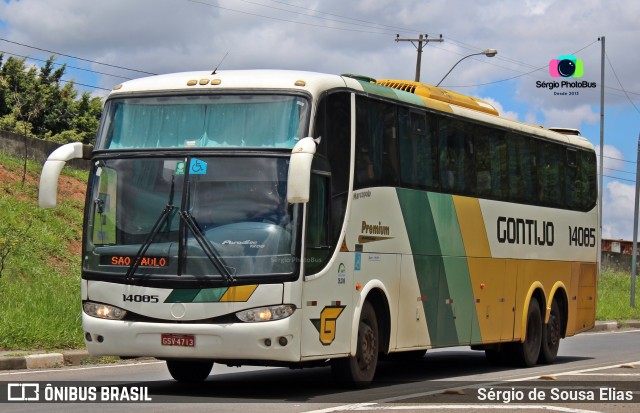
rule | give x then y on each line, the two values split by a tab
356	264
197	167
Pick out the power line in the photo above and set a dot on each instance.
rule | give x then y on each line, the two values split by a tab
286	20
391	29
620	170
620	83
84	84
619	179
617	159
75	57
66	65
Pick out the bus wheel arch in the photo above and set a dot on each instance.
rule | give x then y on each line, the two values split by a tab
554	329
358	370
526	352
380	303
562	300
372	327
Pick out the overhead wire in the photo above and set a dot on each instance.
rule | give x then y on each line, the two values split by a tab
76	57
620	83
66	65
204	3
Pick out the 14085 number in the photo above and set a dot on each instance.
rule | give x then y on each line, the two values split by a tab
582	236
140	298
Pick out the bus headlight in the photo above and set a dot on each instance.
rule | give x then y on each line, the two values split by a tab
105	311
276	312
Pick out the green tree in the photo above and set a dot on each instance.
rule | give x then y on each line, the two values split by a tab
35	101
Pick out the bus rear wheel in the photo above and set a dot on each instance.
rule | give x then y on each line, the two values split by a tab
526	353
551	335
358	371
189	371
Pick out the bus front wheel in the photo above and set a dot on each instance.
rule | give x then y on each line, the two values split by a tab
358	370
189	371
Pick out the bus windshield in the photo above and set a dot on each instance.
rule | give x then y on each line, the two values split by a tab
201	215
212	121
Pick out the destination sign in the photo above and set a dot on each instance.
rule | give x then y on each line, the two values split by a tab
125	261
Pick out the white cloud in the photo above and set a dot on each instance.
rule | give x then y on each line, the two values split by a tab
501	110
618	210
571	117
613	158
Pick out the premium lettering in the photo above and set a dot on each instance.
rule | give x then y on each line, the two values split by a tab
374	229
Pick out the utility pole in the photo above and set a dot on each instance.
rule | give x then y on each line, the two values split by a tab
421	39
634	252
601	172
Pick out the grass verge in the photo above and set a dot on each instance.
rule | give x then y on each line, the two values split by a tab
40	282
614	297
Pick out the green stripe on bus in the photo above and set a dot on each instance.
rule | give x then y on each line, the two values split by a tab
182	296
207	295
210	295
441	267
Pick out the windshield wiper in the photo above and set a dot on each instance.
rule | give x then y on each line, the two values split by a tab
164	215
207	247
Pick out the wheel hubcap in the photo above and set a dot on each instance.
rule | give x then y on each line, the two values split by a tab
367	347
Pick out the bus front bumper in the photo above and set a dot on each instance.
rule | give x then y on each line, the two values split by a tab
271	340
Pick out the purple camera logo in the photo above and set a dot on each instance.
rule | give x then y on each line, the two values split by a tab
566	66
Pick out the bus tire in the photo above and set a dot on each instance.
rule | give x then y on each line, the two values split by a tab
551	335
358	371
526	353
189	371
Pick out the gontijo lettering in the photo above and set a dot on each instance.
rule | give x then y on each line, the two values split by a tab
525	231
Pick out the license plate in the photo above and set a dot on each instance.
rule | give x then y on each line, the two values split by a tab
181	340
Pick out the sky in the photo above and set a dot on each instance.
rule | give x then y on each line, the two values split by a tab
101	41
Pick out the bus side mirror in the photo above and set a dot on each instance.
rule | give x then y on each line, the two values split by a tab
299	180
48	190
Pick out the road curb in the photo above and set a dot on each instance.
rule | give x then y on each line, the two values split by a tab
45	360
605	326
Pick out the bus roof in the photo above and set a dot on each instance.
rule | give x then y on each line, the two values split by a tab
233	79
411	92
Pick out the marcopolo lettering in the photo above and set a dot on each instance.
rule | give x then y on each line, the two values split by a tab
525	231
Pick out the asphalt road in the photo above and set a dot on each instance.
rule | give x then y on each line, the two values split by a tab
603	365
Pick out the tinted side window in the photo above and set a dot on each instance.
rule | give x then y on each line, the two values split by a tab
418	149
330	180
377	161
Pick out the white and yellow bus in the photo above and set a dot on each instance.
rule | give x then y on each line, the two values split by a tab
293	218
